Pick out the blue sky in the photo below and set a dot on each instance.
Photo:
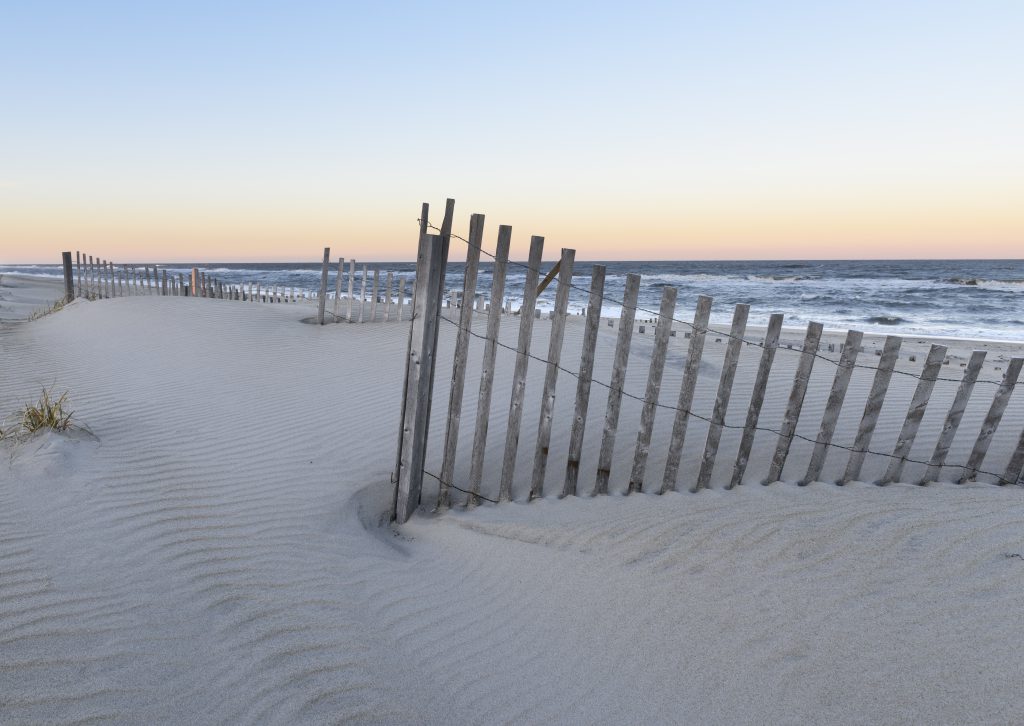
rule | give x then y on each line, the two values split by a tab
668	130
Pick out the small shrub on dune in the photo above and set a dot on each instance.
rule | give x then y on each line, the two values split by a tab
46	413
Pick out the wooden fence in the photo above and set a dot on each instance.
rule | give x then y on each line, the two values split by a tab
377	300
422	365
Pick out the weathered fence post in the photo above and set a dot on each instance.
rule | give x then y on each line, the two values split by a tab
400	301
873	407
324	272
483	408
416	418
579	419
362	292
643	437
408	354
918	405
796	401
337	287
732	359
770	345
69	277
992	419
956	413
373	296
701	315
1016	465
352	286
458	382
78	264
617	384
840	384
515	409
547	404
389	283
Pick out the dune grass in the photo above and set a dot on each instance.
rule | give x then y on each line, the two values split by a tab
48	412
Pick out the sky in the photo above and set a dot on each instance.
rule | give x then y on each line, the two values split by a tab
264	131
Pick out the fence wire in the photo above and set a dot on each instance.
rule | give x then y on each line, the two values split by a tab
724	334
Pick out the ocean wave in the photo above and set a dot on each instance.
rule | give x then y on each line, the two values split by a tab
886	320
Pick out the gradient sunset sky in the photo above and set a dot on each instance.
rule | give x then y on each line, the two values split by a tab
223	131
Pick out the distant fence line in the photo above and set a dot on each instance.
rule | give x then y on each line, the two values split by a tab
95	278
421	365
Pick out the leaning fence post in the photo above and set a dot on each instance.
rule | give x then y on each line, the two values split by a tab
918	404
416	422
770	345
617	384
579	419
643	437
515	409
732	359
323	286
547	404
956	413
841	382
451	434
420	252
873	407
1016	465
691	371
992	419
483	409
796	401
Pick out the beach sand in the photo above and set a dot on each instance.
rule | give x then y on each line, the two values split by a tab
210	549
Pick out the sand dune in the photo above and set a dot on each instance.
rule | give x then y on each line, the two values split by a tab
210	550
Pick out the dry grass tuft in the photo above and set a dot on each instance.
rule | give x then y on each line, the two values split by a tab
57	306
46	413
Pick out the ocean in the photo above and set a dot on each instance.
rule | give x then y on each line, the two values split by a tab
959	298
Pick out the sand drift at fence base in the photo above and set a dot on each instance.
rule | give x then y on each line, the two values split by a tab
213	555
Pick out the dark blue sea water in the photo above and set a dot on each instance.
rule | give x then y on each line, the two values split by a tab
964	298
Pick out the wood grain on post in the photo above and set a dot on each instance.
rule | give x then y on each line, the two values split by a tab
547	401
483	406
458	381
918	405
438	293
796	401
691	371
579	418
421	370
873	407
992	419
764	368
515	409
829	419
420	258
953	418
650	406
732	358
617	383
